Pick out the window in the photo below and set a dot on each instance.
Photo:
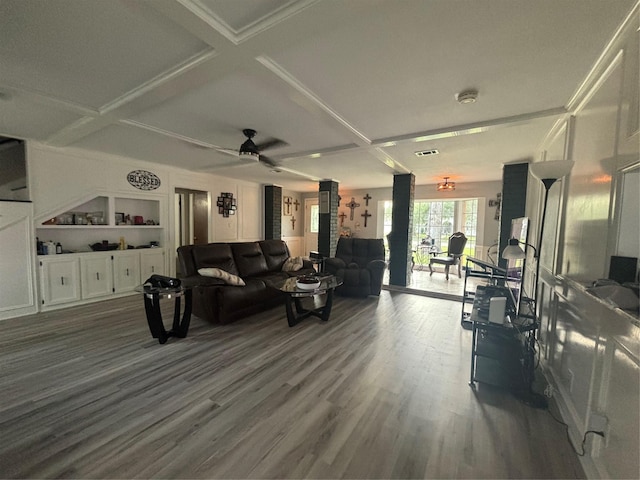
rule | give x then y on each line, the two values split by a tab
315	219
435	221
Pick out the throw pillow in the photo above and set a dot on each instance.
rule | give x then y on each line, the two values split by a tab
226	277
292	264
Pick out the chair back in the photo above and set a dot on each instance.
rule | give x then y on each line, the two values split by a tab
457	242
360	250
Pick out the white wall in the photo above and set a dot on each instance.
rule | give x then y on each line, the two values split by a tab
488	227
59	179
590	349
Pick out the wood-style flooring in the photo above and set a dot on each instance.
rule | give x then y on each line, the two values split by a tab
380	391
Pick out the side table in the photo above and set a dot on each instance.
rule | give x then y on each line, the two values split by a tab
152	297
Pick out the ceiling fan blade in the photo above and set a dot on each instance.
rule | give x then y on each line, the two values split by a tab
271	143
269	161
228	151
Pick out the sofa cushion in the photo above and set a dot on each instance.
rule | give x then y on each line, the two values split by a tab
249	259
275	252
216	255
226	277
292	264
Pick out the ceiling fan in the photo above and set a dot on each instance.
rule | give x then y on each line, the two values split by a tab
249	150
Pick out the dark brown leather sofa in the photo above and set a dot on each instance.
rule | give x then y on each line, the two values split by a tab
257	263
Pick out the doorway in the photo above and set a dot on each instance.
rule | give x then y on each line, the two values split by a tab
311	224
192	209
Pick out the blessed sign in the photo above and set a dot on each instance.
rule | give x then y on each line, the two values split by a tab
143	180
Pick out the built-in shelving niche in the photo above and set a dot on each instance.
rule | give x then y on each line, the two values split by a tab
103	218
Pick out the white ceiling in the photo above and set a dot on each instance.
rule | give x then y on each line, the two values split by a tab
364	84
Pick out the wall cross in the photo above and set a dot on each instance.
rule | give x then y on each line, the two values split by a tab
367	197
287	204
352	205
342	217
297	204
366	215
293	222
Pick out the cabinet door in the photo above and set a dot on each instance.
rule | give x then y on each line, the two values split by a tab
126	271
60	281
97	277
152	263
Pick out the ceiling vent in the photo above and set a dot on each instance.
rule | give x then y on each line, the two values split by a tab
424	153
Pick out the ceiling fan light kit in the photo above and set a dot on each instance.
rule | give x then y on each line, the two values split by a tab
446	185
249	156
250	151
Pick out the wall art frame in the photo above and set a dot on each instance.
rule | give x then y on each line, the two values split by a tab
227	205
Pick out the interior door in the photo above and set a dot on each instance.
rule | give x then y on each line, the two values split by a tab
200	217
192	219
311	217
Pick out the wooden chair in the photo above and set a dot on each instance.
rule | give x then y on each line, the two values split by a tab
455	247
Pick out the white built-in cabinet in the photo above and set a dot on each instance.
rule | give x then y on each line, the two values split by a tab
80	277
60	280
96	276
126	271
151	263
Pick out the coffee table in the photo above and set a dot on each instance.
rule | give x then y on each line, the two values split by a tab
152	296
294	296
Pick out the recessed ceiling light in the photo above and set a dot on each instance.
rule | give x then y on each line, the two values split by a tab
466	97
315	155
424	153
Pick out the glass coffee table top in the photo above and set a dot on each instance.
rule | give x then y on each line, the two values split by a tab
327	282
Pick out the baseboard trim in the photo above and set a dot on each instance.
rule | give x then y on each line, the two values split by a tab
423	293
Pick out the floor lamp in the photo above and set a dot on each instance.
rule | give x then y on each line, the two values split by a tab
548	173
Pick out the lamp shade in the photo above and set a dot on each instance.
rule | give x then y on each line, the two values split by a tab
513	251
551	170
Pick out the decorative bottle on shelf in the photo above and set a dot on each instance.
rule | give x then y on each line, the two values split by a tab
122	244
58	248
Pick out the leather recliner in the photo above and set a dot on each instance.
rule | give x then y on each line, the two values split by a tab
360	263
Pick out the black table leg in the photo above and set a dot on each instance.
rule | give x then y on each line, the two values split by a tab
180	327
300	313
326	310
154	317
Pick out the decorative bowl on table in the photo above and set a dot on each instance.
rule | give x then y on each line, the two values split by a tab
307	282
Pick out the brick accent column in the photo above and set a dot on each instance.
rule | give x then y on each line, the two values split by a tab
272	212
514	199
401	228
328	222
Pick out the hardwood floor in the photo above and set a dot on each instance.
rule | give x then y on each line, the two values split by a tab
380	391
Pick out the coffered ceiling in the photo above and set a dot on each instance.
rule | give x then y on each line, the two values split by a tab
353	87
